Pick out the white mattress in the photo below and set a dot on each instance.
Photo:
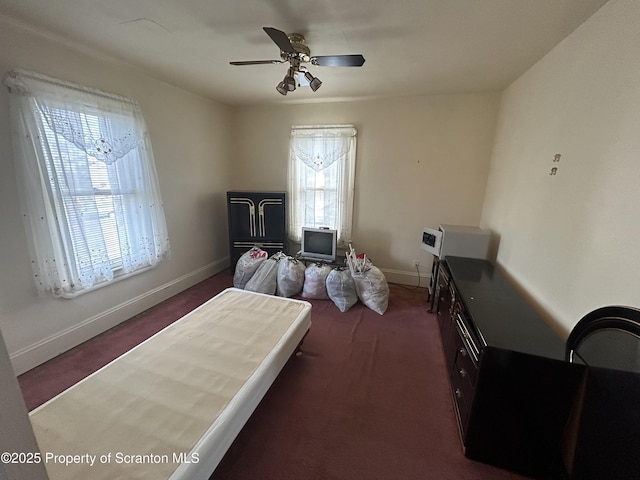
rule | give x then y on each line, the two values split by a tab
171	407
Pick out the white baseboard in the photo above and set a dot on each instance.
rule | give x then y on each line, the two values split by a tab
37	353
404	277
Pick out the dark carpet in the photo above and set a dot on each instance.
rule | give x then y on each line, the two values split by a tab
368	398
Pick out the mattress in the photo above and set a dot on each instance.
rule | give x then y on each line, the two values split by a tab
171	407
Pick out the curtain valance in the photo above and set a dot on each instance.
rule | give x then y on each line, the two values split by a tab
74	111
320	147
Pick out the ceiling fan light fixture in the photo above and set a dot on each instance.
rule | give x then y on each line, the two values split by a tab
282	88
314	82
290	80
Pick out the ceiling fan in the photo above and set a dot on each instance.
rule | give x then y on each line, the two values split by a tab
294	50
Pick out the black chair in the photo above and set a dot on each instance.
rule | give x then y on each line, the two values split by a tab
603	437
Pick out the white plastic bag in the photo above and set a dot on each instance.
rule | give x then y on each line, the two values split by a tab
265	278
341	288
290	277
373	289
247	266
315	281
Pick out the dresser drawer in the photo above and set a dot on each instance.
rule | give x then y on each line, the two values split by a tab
465	367
463	375
466	358
462	396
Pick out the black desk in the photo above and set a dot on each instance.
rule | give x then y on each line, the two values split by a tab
512	389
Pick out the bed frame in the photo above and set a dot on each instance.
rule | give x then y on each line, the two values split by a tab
171	407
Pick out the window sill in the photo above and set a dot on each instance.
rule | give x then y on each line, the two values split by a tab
117	277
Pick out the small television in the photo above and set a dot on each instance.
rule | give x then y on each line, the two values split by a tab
319	244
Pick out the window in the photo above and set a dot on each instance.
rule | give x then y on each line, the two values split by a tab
89	189
321	179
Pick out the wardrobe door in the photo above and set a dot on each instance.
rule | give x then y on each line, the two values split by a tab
242	217
271	217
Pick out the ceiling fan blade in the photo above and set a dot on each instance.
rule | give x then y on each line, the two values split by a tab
338	61
257	62
279	38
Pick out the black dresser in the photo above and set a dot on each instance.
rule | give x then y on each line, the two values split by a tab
256	219
512	389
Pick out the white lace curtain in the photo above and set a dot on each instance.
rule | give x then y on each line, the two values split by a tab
88	184
321	179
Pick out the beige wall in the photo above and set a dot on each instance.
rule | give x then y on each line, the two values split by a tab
421	161
573	240
191	140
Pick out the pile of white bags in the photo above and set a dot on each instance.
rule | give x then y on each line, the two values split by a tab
286	276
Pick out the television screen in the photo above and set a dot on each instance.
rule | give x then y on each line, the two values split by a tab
319	244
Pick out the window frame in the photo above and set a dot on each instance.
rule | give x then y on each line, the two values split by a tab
59	130
344	185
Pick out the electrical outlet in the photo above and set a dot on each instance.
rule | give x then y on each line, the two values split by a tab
416	263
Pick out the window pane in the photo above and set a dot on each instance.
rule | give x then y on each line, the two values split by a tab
320	197
106	210
90	191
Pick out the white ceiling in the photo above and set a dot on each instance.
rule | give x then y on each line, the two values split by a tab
411	47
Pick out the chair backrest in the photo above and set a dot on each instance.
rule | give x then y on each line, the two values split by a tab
607	337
